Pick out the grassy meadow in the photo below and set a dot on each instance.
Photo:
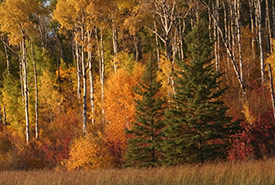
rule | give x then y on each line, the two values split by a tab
243	173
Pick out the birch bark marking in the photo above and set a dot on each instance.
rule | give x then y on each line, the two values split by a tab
102	75
84	93
229	51
115	46
36	95
252	24
259	7
238	22
26	92
78	66
216	35
91	76
268	27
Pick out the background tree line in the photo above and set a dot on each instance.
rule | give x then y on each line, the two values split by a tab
69	68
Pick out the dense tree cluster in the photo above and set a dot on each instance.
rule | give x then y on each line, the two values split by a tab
112	83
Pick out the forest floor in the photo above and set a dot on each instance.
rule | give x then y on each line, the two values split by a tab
239	173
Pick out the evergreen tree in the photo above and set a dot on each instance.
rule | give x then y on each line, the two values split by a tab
197	128
145	133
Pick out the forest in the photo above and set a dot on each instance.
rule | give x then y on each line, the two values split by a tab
107	84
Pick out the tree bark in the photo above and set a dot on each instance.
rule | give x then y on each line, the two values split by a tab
7	56
36	95
26	92
138	53
252	25
273	17
102	75
216	35
78	66
272	89
238	22
115	46
84	93
259	16
91	78
229	52
268	27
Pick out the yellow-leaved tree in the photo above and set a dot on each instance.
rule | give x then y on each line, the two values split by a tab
17	21
89	152
120	108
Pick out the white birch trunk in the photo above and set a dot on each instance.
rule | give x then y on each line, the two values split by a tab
78	66
26	92
268	27
102	75
91	79
259	16
238	22
84	93
36	95
115	46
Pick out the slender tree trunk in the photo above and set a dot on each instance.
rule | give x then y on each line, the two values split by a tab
7	57
84	93
260	40
181	30
272	89
115	46
78	66
91	79
233	38
26	92
268	27
229	52
273	17
251	10
210	22
238	22
138	53
21	74
102	75
36	95
216	35
98	48
226	35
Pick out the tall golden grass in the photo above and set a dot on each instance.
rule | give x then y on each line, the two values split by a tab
242	173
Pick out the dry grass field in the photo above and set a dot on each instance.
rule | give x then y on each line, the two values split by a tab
244	173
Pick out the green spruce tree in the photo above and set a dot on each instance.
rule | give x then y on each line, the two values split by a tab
197	128
145	134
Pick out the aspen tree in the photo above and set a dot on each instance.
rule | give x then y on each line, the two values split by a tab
259	20
36	94
75	15
17	24
238	22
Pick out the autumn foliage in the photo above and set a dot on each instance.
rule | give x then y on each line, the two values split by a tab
68	69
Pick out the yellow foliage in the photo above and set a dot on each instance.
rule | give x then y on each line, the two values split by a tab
89	153
165	75
119	103
16	18
247	113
